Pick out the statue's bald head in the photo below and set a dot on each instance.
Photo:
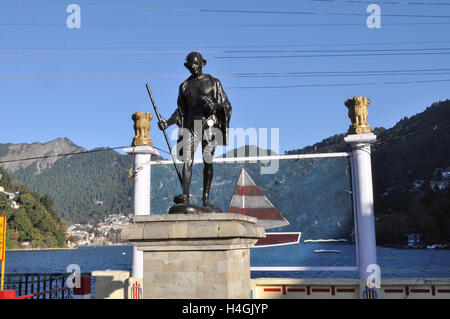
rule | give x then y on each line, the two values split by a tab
191	57
195	63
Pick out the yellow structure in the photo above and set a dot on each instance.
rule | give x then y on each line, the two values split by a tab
313	288
357	112
111	284
2	248
141	129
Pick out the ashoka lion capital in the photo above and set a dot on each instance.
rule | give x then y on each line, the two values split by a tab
357	112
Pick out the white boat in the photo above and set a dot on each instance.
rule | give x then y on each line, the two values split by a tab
327	251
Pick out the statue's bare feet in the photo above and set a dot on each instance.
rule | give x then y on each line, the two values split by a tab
207	204
181	199
211	207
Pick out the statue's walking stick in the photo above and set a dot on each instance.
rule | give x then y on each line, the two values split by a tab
164	131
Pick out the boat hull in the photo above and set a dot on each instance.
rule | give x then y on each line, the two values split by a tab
279	239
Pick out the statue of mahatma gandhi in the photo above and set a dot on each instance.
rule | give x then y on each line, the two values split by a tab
203	115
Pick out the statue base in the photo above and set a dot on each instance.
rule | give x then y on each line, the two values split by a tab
182	206
203	256
142	141
359	129
192	209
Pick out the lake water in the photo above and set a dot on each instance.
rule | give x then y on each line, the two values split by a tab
394	263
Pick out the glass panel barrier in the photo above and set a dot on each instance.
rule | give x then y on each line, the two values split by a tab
310	195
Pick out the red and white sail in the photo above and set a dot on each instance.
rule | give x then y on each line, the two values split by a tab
248	199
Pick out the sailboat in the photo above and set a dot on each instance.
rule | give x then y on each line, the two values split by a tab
248	199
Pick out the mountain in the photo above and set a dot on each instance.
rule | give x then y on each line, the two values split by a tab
15	152
84	186
32	219
248	151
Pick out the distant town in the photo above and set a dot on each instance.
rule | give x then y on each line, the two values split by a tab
100	234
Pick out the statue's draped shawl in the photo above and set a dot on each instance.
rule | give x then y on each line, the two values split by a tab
219	97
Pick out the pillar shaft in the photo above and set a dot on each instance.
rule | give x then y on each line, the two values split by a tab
363	195
141	198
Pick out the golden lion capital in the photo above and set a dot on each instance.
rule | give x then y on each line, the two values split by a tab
141	129
357	112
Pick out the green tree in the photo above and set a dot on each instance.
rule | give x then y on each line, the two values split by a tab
36	220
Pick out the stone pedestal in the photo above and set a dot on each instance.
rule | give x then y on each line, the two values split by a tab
195	256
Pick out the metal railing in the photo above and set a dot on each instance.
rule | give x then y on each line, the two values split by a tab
39	286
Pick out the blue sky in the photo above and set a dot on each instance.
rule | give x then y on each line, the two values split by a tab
85	83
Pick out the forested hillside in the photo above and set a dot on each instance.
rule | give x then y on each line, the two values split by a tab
31	217
409	165
87	186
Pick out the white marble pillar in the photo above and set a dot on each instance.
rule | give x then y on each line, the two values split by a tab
141	198
363	201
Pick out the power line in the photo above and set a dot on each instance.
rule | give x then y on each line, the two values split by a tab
137	77
231	87
61	155
420	130
335	84
386	2
417	131
344	73
326	55
293	25
346	50
112	58
352	73
103	149
184	49
377	143
337	75
90	58
193	10
224	51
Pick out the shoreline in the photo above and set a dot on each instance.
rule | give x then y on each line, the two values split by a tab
36	249
424	247
65	248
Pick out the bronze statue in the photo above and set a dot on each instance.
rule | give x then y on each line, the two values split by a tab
203	115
